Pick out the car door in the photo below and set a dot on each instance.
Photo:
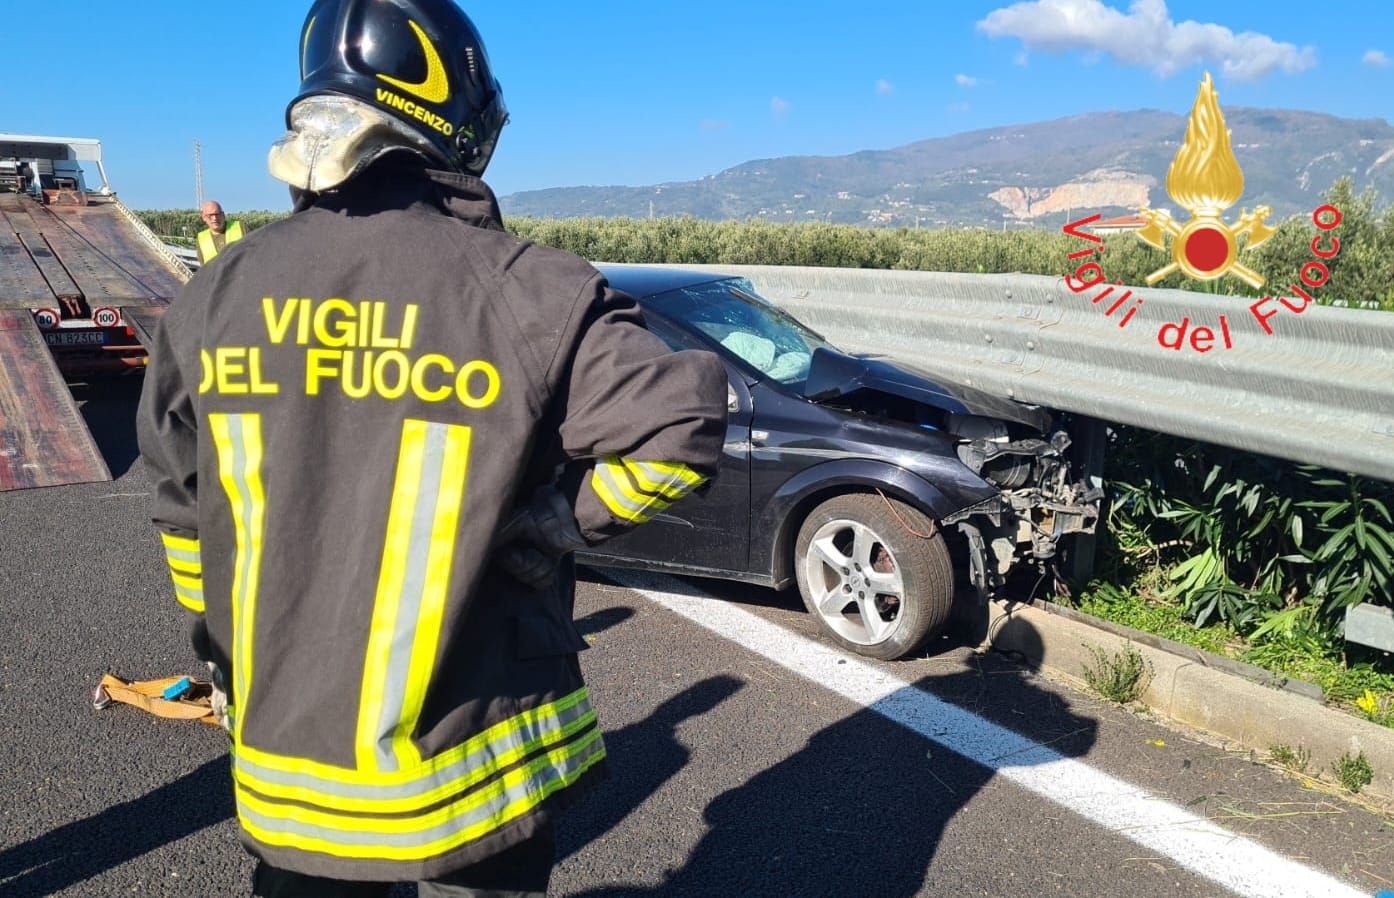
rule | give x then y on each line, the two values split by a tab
709	529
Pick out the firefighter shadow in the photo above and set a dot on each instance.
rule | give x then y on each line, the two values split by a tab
641	758
862	807
79	851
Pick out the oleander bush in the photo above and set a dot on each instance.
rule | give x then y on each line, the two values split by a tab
1275	549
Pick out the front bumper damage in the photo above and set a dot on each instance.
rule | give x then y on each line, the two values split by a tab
1026	523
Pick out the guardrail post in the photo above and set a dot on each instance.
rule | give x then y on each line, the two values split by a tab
1087	455
1370	625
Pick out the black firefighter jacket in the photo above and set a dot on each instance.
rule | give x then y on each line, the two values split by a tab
338	413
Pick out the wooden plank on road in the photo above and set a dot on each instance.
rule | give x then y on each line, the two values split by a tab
43	439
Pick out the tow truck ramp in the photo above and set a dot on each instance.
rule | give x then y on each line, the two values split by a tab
83	285
43	439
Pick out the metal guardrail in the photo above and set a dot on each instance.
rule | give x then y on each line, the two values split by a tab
166	252
187	256
1318	389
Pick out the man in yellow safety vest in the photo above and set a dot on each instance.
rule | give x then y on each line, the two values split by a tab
219	233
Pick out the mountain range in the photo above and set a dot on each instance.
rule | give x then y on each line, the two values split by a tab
1035	175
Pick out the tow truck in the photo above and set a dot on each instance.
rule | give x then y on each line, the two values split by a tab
83	284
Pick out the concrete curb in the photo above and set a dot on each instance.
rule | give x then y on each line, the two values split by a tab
1200	690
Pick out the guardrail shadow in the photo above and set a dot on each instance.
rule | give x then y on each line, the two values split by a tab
860	810
79	851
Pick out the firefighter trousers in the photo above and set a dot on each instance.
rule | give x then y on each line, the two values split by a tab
522	871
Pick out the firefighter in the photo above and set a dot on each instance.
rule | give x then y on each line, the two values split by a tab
219	233
377	430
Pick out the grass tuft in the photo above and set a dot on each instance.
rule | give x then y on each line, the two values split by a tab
1353	773
1120	677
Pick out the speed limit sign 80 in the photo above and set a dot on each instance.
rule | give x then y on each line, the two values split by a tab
46	319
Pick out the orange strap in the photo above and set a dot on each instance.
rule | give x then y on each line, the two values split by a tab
148	696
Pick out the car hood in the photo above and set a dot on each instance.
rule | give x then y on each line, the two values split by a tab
832	374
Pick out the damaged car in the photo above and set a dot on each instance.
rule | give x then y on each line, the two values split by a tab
885	495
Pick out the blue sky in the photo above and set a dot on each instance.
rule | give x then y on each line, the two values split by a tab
638	93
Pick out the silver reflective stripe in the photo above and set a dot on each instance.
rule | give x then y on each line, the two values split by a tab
496	810
244	515
616	480
191	559
394	690
674	483
279	782
189	596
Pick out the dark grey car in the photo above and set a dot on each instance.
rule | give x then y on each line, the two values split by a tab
871	485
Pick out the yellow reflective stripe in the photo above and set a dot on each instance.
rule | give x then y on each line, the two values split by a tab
408	608
280	773
676	472
391	576
174	543
188	591
634	497
182	554
234	232
206	246
436	785
191	583
618	506
670	481
305	45
237	439
190	600
621	482
183	566
185	570
427	835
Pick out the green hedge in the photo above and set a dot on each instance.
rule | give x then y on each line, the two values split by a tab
1363	272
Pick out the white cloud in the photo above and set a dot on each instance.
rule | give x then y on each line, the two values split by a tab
959	107
714	124
1144	35
1021	58
780	107
884	88
965	80
1375	58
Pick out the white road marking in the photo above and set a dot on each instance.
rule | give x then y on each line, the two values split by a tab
1239	864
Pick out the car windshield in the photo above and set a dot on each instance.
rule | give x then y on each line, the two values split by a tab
733	315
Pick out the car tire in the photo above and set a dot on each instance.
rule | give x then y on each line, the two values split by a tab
875	574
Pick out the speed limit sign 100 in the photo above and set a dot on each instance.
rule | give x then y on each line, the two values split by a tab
106	317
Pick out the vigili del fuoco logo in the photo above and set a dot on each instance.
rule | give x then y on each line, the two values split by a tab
1205	179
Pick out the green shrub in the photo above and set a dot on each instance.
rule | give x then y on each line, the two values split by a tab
1276	549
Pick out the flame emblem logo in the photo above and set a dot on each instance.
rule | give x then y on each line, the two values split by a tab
1205	179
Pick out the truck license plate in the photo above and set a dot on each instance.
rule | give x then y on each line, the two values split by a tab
75	338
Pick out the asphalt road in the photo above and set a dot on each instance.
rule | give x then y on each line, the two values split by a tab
745	760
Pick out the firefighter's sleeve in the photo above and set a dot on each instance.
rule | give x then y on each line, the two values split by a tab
649	422
167	431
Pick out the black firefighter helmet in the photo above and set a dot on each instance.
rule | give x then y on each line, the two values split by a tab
421	61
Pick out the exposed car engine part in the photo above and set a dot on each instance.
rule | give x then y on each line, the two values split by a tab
1045	504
